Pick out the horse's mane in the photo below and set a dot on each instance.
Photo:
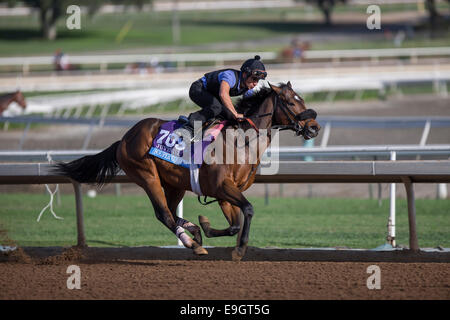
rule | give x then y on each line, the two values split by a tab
7	95
248	106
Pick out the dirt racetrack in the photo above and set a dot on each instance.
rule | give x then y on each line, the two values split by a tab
175	274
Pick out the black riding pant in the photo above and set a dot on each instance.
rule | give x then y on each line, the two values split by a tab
211	105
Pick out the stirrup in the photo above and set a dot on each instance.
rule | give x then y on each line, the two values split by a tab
186	126
196	136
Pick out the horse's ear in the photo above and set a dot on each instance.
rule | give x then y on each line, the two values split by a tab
289	85
275	88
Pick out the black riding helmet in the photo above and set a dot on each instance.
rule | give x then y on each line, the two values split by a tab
254	67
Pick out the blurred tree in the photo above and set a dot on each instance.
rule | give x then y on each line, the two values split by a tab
433	14
51	10
326	6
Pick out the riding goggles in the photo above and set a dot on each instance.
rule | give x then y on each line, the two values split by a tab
259	74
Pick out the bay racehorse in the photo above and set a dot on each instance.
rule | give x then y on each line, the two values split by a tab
278	107
7	99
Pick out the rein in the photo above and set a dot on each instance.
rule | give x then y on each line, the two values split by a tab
262	115
250	121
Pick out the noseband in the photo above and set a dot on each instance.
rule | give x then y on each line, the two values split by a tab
307	115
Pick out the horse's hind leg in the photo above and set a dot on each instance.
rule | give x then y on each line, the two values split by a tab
173	198
231	213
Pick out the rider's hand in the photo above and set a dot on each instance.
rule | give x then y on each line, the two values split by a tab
239	116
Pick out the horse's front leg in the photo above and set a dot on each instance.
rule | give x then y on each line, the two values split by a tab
173	198
231	193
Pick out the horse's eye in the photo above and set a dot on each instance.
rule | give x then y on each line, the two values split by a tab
291	104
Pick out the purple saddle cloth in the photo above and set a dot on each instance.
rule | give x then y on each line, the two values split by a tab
169	146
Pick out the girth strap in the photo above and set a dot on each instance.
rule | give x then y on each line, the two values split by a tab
204	200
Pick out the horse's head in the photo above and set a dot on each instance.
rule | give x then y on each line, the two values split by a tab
20	99
291	113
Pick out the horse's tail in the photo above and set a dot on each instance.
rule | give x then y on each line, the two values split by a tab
99	168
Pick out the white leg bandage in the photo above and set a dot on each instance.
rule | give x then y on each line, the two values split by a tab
185	239
189	226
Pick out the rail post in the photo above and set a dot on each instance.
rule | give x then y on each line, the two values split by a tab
81	238
391	221
24	135
326	135
180	215
88	137
413	242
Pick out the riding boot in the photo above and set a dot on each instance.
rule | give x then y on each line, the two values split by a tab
188	124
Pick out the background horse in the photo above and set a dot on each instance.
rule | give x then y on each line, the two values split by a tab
5	100
165	183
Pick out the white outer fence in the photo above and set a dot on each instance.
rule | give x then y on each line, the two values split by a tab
327	122
134	92
180	59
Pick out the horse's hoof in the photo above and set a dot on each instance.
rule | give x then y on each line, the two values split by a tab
200	251
198	239
236	255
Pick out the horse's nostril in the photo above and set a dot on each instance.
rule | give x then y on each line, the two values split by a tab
314	130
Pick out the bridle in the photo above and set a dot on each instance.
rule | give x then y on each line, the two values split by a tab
294	119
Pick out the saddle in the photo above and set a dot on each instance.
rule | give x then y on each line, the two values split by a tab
168	145
199	135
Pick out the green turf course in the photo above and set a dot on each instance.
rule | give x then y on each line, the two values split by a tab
20	35
285	222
